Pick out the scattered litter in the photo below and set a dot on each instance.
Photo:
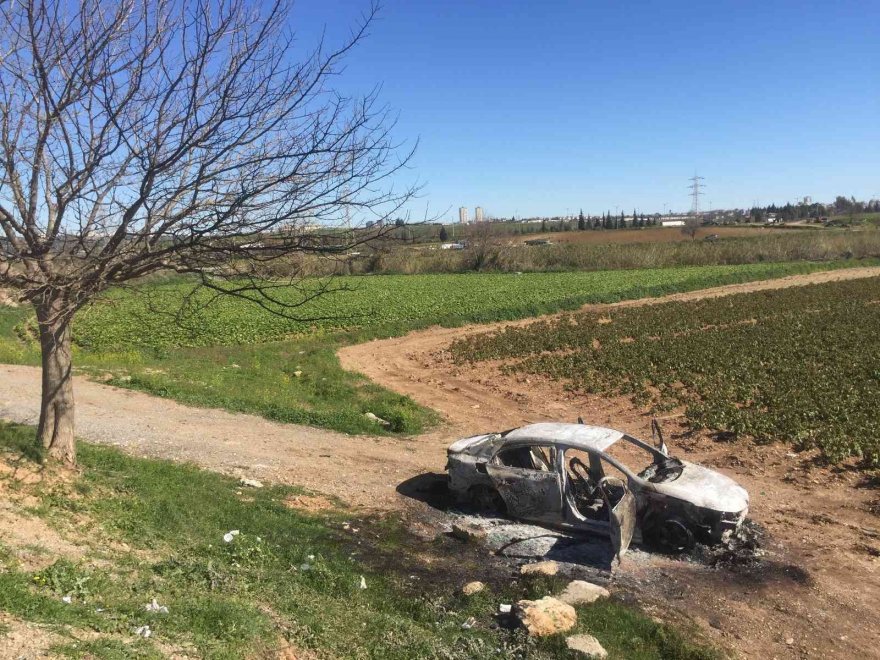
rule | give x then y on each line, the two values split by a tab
253	483
470	623
305	567
311	557
98	610
297	373
378	420
234	366
153	606
231	534
143	631
67	599
363	584
504	608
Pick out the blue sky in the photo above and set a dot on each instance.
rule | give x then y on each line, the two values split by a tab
543	107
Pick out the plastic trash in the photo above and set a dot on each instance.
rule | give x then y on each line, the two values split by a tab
231	534
143	631
153	606
363	584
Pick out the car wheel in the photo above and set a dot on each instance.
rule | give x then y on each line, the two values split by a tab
675	536
487	499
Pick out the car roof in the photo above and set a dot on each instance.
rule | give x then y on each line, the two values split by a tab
597	438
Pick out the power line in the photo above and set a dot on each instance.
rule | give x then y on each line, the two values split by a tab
696	190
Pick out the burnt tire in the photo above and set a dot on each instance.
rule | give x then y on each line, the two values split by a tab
671	535
487	499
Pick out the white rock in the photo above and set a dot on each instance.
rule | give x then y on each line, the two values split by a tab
540	568
586	646
253	483
580	592
546	616
472	588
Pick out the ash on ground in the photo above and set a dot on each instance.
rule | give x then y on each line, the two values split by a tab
742	549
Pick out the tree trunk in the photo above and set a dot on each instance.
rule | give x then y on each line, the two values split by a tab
55	430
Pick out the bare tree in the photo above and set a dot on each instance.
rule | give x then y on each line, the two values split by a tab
183	135
691	227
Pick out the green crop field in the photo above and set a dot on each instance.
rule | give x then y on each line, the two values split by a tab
387	303
799	364
234	355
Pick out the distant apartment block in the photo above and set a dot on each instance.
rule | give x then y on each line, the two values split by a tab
478	214
463	215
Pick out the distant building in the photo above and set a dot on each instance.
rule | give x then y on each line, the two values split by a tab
463	215
672	223
478	214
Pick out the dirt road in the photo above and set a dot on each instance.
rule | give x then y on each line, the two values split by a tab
816	594
360	470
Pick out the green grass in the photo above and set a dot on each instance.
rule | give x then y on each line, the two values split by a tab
384	304
241	599
126	345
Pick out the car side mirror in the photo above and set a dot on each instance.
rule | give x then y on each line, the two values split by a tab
657	436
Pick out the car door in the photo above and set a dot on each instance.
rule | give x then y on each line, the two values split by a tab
529	482
621	505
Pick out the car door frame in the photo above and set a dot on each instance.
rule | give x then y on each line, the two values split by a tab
529	494
620	528
621	516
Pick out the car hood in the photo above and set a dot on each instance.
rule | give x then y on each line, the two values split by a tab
477	446
706	488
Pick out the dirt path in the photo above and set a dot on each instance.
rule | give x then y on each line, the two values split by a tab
360	470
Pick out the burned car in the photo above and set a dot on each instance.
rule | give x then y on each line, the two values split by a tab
578	477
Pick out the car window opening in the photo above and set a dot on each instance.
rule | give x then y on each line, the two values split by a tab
584	472
542	459
648	464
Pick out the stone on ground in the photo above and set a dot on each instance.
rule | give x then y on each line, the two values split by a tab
467	532
586	646
546	616
581	592
472	588
540	568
